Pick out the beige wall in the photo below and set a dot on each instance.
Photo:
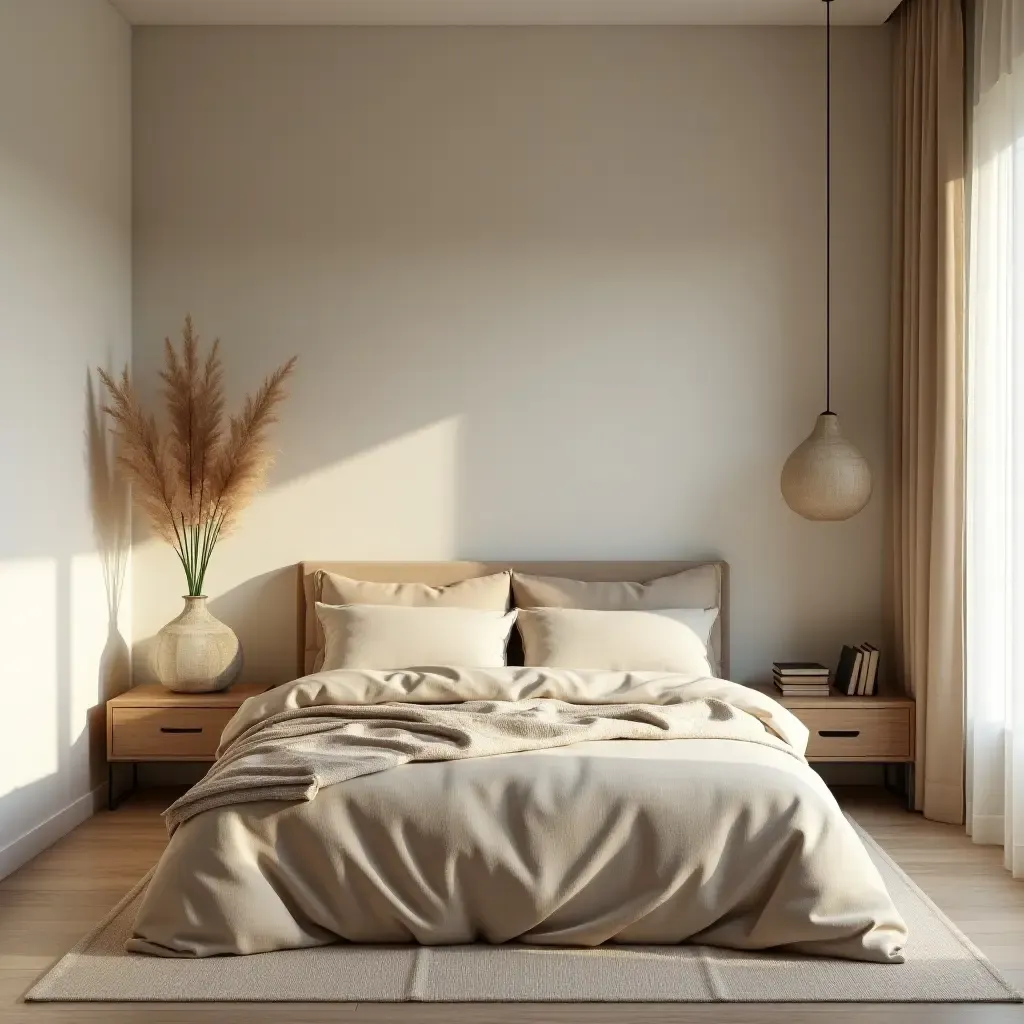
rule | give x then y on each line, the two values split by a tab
557	293
65	296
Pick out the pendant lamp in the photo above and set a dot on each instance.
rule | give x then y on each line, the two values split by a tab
826	477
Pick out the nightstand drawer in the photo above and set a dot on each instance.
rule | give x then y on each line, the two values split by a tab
166	734
858	733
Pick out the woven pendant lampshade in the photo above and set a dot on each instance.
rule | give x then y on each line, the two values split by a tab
826	477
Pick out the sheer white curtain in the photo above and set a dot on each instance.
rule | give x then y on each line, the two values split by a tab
995	434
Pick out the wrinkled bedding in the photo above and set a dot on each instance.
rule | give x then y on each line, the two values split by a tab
542	806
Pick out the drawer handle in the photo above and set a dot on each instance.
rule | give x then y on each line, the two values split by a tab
174	728
846	734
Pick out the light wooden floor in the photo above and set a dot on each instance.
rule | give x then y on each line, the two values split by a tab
51	902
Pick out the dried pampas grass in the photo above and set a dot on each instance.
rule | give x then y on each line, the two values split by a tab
193	484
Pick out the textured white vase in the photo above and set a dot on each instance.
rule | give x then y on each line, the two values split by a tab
196	653
826	477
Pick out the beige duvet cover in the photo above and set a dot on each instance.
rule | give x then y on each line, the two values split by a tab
532	805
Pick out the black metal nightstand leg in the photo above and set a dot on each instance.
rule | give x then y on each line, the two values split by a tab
890	778
114	800
899	780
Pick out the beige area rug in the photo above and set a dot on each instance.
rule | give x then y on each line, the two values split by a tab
942	966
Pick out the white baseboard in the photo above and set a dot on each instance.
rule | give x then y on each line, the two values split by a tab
45	834
987	829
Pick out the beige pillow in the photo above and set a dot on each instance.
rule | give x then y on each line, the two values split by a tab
692	588
666	640
699	587
390	637
486	593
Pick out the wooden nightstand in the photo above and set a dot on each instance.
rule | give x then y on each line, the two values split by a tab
878	729
149	723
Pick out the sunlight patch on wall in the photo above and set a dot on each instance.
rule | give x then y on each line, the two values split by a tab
29	640
395	500
89	625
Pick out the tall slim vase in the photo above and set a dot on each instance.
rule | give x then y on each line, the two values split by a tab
196	652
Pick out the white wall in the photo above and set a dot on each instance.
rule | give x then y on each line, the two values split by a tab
65	296
556	293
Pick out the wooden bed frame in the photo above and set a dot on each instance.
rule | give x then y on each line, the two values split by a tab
443	573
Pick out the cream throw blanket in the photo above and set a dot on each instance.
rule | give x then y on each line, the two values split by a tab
550	807
294	741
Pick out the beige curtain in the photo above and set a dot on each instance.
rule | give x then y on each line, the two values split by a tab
927	392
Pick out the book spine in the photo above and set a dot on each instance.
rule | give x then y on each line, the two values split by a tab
858	659
873	678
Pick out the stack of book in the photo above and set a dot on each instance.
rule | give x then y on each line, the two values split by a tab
800	678
857	674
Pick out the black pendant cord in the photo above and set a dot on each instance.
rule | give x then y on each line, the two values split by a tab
828	206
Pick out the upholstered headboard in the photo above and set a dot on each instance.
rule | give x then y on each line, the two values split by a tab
442	573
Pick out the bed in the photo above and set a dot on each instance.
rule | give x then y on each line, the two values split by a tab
532	804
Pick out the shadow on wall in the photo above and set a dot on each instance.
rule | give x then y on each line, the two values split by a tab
533	322
271	599
262	606
109	502
450	471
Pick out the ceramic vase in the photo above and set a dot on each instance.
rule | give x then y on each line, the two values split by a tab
196	652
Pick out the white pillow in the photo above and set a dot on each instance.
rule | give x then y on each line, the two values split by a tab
662	640
389	637
697	587
488	593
